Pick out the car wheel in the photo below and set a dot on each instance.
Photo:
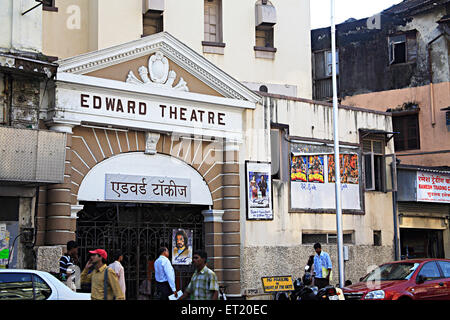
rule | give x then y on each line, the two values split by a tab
404	299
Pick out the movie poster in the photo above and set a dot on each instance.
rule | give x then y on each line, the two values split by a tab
316	169
351	171
182	244
4	246
348	168
299	168
259	191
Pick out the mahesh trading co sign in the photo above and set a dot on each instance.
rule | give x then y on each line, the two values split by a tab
433	187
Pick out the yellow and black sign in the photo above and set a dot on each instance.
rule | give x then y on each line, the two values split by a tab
277	284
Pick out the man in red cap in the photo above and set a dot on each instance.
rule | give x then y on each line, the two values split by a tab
97	278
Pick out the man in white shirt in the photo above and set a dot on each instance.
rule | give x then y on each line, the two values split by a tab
119	270
164	275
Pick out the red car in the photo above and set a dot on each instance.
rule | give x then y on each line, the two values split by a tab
418	279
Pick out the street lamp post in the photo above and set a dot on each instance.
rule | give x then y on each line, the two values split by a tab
337	170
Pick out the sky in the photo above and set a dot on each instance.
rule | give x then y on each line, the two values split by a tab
345	9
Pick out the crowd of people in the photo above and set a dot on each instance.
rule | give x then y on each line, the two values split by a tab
107	282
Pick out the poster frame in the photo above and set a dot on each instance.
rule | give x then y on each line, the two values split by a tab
247	207
355	147
190	247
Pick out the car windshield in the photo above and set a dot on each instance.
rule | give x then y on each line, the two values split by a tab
392	271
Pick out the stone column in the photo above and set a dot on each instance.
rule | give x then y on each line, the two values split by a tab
213	240
60	224
231	226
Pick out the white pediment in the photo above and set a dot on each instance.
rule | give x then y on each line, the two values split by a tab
160	46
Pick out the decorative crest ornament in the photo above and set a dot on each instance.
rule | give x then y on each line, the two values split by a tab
160	76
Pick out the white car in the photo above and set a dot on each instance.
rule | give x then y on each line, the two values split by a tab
24	284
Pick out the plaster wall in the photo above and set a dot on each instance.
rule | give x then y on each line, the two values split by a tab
272	248
105	23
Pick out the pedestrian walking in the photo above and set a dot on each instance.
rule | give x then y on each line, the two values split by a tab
322	267
103	280
204	284
119	270
67	263
164	275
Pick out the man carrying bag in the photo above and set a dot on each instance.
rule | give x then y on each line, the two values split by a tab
103	280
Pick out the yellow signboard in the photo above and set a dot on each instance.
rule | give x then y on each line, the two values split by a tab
277	284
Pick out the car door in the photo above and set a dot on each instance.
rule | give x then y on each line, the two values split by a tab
42	290
445	268
432	288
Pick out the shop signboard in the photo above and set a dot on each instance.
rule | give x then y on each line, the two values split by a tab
432	187
129	188
259	190
182	244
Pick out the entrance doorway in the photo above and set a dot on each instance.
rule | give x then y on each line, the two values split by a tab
137	231
421	243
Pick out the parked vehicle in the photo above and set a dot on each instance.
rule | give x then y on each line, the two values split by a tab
305	291
418	279
23	284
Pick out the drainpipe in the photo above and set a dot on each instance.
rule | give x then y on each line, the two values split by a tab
430	73
396	238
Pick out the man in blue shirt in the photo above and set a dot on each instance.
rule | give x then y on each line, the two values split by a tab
164	275
322	267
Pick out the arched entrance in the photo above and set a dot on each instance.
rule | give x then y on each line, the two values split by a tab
137	228
137	231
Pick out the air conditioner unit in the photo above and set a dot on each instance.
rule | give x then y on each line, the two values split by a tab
265	14
156	5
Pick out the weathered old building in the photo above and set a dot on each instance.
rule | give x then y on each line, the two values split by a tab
176	131
398	62
31	156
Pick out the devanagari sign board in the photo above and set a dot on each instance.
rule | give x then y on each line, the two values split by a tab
131	188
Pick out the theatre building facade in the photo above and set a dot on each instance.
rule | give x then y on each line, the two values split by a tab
162	147
155	134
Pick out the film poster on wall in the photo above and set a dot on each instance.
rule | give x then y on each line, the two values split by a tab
313	181
259	190
182	244
348	166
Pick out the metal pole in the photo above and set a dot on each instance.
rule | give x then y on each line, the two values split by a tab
340	239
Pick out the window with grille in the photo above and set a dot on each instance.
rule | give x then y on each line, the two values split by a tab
213	21
408	128
322	73
153	22
325	238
